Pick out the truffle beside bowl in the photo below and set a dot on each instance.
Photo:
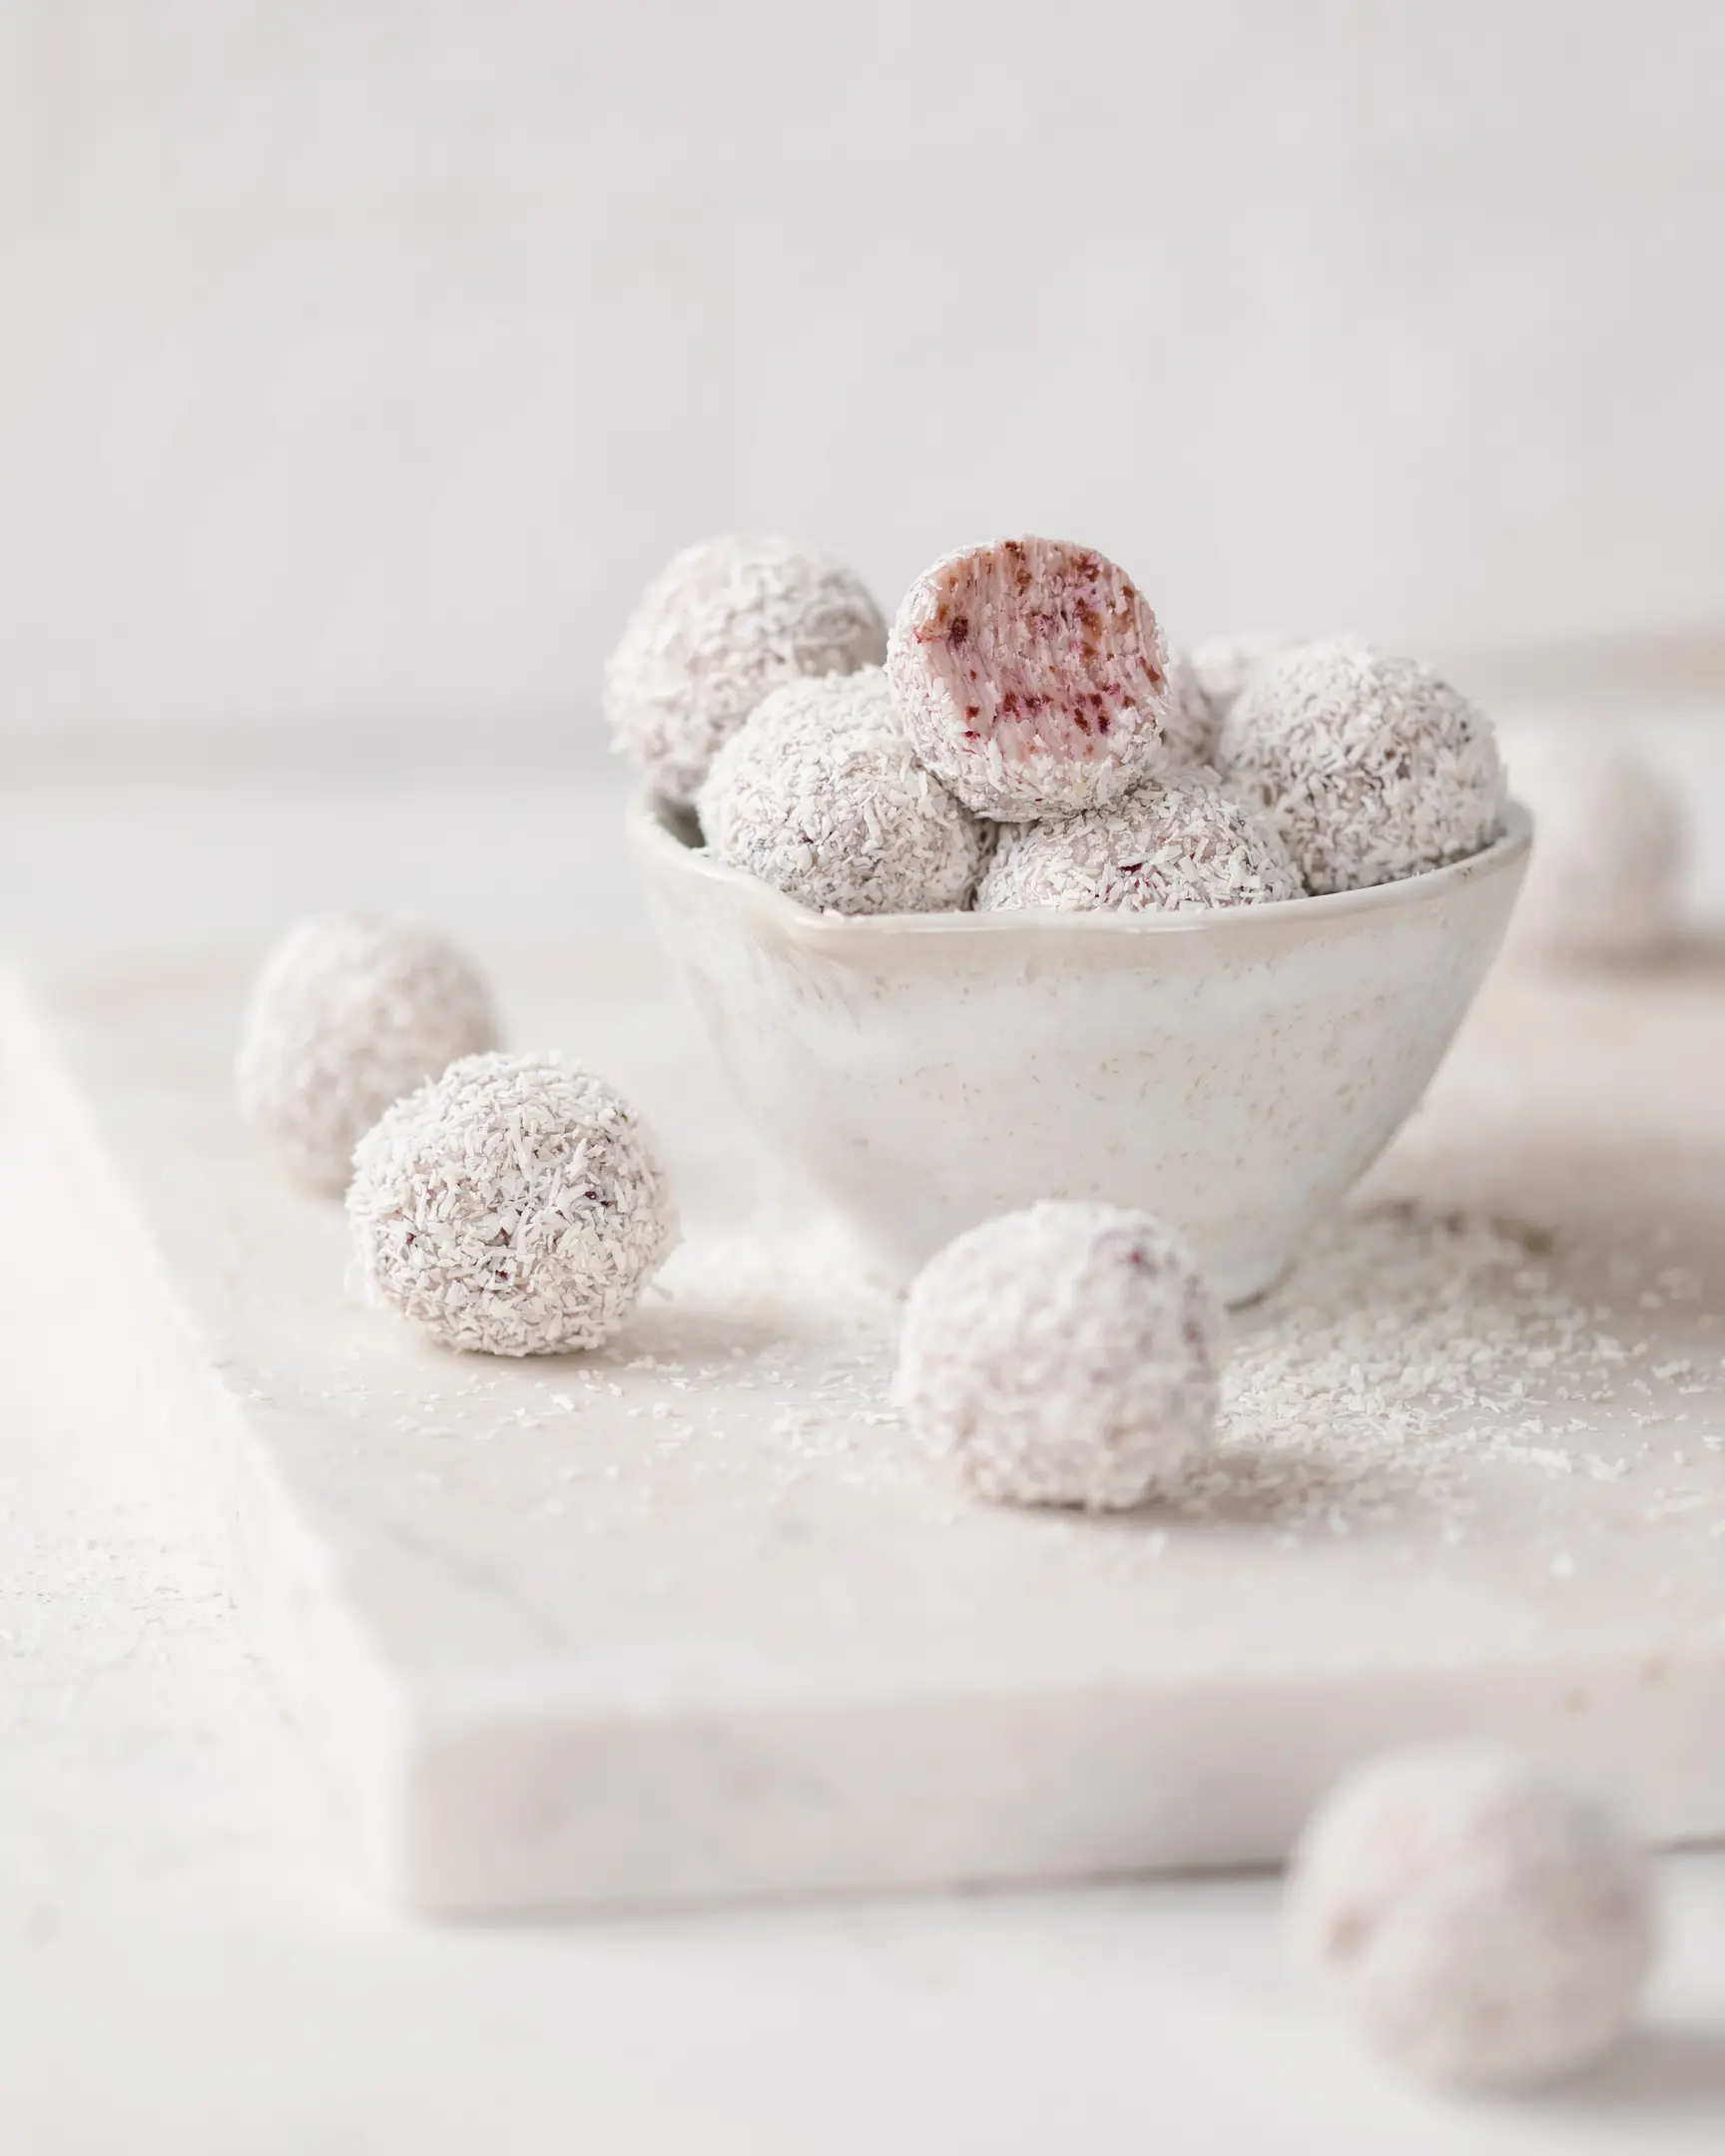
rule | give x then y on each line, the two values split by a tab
1233	1071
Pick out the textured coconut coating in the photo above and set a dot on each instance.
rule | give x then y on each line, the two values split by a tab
1188	723
820	796
1032	676
515	1206
1171	847
1604	883
1371	768
1481	1924
720	624
348	1013
1221	665
1063	1354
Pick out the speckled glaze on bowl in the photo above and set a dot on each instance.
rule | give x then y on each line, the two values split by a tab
1232	1072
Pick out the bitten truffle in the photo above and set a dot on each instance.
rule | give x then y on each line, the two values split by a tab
1172	846
720	624
819	796
1604	883
516	1206
1371	769
1481	1924
348	1013
1032	676
1064	1355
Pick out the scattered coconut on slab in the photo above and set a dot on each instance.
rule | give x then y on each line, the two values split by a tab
720	624
1481	1924
516	1206
820	796
1371	769
1063	1354
346	1014
1032	678
1604	881
1170	846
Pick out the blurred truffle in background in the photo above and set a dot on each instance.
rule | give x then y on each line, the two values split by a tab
1605	884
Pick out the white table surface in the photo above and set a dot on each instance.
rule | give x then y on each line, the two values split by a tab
185	1962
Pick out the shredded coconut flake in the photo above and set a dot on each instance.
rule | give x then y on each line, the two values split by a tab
1171	847
1389	1368
347	1014
1371	768
722	623
515	1205
820	796
1189	722
1224	664
1063	1354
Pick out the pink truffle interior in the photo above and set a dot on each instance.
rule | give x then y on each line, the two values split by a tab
1039	644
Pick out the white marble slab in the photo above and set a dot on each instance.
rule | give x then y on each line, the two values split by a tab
693	1617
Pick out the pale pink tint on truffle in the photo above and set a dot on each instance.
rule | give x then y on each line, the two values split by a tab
1031	676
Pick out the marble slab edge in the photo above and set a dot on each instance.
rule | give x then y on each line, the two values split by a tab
556	1801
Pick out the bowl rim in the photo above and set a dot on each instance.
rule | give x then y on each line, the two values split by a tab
648	823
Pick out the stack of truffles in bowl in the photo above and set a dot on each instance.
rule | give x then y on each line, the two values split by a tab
1008	900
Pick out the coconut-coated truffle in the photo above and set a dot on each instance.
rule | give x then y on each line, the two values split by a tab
722	623
516	1206
1371	768
346	1014
1221	665
1032	678
1172	846
1064	1355
1188	723
1481	1924
820	796
1604	883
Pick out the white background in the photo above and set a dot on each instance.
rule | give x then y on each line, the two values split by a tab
362	358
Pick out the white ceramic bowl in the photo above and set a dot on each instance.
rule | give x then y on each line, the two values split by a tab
1232	1072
